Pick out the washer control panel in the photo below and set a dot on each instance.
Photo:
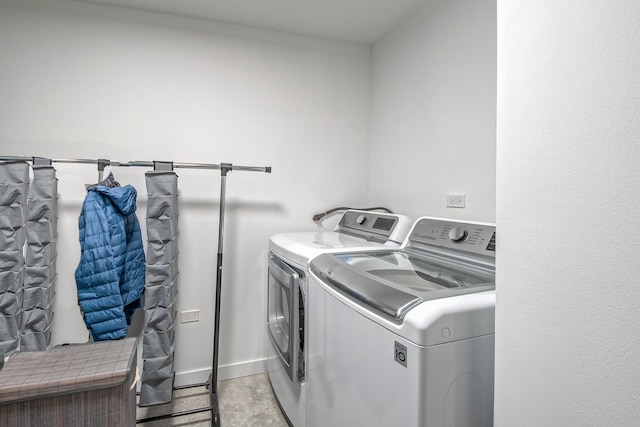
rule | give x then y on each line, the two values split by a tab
361	219
475	237
374	226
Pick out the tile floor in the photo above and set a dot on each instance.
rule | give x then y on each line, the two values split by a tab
246	402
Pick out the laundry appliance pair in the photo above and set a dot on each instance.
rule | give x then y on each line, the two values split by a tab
288	302
387	334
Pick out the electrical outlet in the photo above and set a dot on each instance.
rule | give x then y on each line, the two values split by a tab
189	316
458	200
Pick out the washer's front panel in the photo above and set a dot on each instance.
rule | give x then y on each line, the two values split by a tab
353	377
362	374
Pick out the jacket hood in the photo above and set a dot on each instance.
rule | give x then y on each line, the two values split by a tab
123	198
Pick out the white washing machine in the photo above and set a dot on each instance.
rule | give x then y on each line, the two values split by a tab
289	256
405	337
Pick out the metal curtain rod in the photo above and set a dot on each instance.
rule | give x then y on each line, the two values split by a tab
144	163
229	166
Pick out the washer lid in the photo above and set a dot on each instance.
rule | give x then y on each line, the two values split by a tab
301	247
393	282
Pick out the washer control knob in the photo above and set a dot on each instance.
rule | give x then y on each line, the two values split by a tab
361	219
458	234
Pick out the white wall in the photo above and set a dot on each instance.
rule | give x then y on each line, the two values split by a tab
433	112
86	81
568	213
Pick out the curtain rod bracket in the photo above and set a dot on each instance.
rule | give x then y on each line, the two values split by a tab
102	163
162	166
225	168
41	161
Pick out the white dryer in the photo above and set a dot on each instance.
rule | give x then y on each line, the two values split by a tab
288	300
405	337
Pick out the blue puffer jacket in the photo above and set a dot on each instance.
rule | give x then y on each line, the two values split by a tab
110	276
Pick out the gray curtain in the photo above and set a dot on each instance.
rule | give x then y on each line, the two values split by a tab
14	184
160	288
40	260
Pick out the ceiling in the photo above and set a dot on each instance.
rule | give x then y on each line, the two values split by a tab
355	21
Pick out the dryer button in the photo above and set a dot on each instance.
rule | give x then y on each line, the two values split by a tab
446	333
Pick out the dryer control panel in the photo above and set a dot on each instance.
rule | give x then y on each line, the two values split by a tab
374	226
475	237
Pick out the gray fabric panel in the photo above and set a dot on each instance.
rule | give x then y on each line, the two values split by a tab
37	319
11	281
35	341
14	172
162	252
14	184
40	260
43	231
12	215
9	332
11	260
9	326
13	194
11	302
42	209
10	309
39	276
160	288
38	296
162	229
157	368
40	254
160	318
11	238
161	274
45	183
158	343
161	183
162	206
156	392
160	295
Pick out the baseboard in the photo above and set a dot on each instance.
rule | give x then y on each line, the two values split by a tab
226	372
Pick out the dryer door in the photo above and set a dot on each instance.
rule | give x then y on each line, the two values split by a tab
283	314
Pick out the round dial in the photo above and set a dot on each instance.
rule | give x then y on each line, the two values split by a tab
361	219
458	234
